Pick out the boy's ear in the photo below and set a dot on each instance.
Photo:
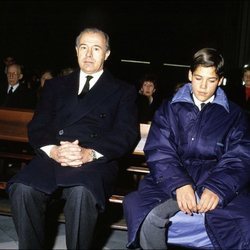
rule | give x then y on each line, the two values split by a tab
190	75
220	81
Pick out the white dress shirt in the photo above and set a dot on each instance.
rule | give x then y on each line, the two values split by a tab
198	102
92	82
14	87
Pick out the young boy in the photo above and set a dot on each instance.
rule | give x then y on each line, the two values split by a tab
198	155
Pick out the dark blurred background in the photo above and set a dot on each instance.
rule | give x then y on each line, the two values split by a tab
41	34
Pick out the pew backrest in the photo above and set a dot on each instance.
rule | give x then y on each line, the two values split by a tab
13	132
13	124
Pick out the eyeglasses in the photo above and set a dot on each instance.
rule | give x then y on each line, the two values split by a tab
13	74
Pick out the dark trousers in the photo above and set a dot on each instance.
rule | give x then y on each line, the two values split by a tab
29	206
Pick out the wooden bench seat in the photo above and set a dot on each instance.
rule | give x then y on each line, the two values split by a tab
13	124
13	138
115	198
138	169
119	225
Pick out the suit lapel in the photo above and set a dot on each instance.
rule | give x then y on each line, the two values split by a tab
69	94
103	88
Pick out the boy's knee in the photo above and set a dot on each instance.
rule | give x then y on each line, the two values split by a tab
155	220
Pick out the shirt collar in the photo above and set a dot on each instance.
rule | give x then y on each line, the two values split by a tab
184	94
14	87
92	82
95	75
198	102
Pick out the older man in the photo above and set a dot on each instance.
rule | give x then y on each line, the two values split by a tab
84	122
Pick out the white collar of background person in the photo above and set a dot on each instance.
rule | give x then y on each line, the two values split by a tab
12	88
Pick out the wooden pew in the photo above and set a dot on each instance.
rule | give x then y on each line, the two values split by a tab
13	124
13	136
137	169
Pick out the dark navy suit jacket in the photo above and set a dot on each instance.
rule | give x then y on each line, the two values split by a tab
104	120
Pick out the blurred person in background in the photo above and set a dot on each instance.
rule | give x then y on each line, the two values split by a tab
147	100
14	93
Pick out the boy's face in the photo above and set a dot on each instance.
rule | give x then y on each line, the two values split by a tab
204	82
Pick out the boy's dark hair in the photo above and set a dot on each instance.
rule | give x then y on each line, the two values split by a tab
208	57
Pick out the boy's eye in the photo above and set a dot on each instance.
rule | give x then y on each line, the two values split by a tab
198	78
212	81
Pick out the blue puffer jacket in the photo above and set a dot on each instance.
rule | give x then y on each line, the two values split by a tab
208	148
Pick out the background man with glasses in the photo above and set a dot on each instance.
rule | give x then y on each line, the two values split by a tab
14	94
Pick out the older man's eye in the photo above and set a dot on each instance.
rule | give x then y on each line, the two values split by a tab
82	47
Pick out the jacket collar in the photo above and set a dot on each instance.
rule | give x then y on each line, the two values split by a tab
103	89
184	95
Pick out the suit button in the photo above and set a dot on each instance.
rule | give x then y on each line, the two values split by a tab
102	115
61	132
94	135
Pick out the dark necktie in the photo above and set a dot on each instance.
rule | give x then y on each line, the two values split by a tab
10	91
202	105
86	87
